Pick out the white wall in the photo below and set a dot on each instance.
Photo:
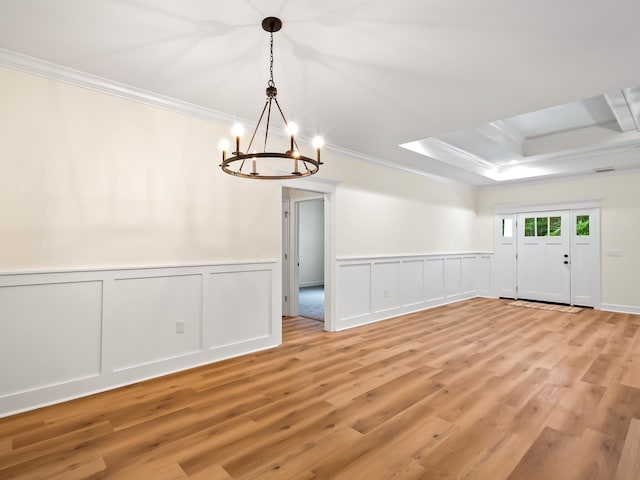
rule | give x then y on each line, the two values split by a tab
311	242
619	225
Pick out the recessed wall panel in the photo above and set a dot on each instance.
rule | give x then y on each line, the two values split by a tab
452	276
468	279
386	286
434	279
49	334
354	291
156	318
240	307
412	281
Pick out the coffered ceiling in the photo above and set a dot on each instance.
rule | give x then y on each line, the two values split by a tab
476	92
595	135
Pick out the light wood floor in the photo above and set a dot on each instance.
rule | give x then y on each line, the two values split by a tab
474	390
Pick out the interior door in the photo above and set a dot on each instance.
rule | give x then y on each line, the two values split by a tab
543	262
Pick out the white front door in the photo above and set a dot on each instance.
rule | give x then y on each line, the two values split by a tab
544	263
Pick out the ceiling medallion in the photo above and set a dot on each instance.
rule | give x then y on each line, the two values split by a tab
300	165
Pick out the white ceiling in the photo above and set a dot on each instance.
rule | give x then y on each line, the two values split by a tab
448	79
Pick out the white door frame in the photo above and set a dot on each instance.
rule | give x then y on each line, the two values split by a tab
326	188
572	206
285	255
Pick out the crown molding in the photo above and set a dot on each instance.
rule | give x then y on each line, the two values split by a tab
52	71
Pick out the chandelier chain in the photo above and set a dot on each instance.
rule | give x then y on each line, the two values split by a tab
271	82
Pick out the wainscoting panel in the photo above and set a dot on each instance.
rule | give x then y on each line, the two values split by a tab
386	286
356	279
244	297
468	278
68	334
434	280
373	289
412	282
49	334
452	277
156	318
483	275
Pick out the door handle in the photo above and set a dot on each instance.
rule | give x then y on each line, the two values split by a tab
566	262
566	255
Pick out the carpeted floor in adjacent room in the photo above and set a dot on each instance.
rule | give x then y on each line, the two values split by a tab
311	302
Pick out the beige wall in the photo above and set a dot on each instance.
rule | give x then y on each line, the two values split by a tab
93	180
620	224
381	211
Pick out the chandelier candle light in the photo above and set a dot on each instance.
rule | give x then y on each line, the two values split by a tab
301	166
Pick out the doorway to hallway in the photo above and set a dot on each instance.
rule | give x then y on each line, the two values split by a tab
303	254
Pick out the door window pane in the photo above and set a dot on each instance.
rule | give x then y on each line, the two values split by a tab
529	227
582	225
555	227
543	226
507	228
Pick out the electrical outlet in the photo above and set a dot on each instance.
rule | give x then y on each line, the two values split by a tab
180	327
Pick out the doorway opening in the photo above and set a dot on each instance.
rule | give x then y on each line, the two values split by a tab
295	192
308	251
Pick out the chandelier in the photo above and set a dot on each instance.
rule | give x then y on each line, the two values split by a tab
254	161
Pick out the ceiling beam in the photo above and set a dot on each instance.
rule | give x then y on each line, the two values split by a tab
445	152
632	96
622	110
503	135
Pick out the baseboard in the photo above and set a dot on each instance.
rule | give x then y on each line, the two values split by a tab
365	319
311	284
610	307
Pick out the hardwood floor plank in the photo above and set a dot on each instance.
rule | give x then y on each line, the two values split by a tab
576	408
476	390
156	469
629	466
303	458
630	369
557	455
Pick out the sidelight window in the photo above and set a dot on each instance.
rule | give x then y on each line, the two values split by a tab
507	227
582	225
